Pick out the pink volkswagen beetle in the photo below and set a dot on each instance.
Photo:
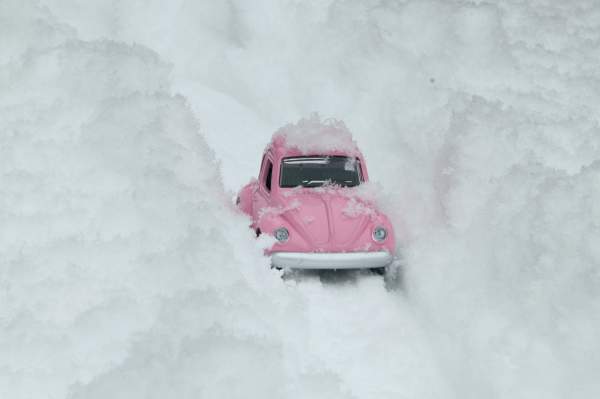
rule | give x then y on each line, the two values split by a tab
308	197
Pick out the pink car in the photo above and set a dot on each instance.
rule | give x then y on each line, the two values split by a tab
308	196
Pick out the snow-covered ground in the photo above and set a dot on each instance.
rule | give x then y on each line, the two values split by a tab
126	127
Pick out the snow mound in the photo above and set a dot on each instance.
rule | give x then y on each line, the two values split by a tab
518	283
116	246
313	135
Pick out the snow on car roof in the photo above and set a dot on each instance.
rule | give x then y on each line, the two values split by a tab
314	136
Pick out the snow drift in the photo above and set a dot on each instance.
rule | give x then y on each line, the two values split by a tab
125	272
116	234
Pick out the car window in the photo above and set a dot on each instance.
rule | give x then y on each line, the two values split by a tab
316	171
262	164
269	175
360	171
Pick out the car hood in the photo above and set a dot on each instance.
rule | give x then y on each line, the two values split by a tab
328	220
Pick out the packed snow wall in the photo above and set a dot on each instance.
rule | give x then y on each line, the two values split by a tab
119	249
125	272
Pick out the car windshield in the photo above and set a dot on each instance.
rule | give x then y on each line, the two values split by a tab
317	171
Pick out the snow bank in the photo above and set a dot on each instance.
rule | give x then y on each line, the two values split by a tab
119	255
511	276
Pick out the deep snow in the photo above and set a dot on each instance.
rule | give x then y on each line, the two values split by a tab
126	272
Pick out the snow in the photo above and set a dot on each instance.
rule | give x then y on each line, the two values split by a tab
270	211
355	208
315	136
125	270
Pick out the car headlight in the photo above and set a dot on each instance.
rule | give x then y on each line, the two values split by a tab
281	234
379	234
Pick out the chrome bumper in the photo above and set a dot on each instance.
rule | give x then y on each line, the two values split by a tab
331	260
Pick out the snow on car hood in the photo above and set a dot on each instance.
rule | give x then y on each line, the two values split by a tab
329	217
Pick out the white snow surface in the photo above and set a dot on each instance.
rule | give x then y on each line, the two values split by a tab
125	128
314	136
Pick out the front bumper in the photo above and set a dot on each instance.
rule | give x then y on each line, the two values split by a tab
331	260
